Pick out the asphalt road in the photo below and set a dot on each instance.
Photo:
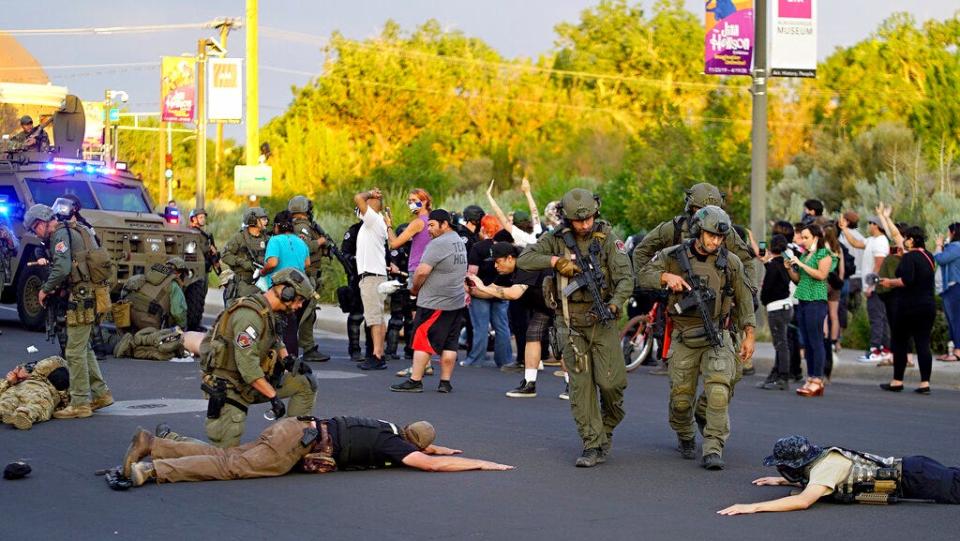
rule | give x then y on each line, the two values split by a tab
644	491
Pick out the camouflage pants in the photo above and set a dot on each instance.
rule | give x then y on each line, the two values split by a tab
226	430
718	367
598	378
85	376
36	402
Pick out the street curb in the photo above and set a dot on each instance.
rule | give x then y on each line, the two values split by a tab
329	318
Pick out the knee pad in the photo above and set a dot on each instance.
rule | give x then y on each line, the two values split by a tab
680	404
718	396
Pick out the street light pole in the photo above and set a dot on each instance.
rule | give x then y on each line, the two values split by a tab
758	139
253	117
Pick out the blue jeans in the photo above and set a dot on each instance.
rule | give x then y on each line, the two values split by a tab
810	318
483	313
951	308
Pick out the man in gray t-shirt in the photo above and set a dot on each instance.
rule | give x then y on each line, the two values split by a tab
438	283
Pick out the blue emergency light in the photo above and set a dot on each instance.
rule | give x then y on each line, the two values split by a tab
4	207
80	166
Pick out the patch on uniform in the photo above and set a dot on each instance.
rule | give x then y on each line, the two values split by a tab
263	244
305	231
244	340
346	236
621	247
252	332
61	247
394	253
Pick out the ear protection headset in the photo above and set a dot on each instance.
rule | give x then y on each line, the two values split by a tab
287	294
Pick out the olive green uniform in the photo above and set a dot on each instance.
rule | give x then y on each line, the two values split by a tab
691	356
156	299
591	350
35	396
151	344
308	231
240	254
241	347
68	270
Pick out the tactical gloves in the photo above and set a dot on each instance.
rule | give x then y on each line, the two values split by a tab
276	405
566	267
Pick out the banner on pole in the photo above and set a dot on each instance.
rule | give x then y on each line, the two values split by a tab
177	89
93	129
793	38
225	90
729	40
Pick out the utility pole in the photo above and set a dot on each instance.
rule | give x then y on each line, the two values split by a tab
253	89
224	26
201	122
162	151
758	139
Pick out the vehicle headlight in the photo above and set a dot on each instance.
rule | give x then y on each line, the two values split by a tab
191	247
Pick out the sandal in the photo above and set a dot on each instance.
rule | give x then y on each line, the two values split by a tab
948	358
885	362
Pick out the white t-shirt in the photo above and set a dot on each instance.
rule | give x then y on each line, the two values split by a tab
371	244
857	253
874	247
521	238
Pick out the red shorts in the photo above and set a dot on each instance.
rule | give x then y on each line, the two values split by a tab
437	330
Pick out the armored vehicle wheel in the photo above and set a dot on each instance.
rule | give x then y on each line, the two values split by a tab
32	314
196	295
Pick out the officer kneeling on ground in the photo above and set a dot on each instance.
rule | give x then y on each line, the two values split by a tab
708	289
850	477
244	362
156	298
313	445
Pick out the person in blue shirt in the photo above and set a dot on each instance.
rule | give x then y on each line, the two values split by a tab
948	257
285	250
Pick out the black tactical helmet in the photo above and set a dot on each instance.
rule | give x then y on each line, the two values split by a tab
712	219
579	204
37	213
296	279
473	213
299	204
253	214
793	452
25	119
197	212
700	195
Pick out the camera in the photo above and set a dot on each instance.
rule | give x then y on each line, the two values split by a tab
872	279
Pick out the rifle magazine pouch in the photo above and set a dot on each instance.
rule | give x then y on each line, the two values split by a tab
102	296
695	337
71	316
121	314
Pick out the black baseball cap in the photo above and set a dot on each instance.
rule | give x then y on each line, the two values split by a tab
504	249
440	215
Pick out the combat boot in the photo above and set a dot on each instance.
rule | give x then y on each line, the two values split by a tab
140	446
313	355
687	448
713	462
141	472
102	401
19	418
589	458
74	412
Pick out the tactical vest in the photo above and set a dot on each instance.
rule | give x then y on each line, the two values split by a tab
306	230
217	348
600	236
149	297
863	476
357	440
253	247
91	263
715	270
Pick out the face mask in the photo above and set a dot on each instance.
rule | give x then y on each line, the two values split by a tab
415	206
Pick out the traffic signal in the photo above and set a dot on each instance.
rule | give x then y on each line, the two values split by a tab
168	171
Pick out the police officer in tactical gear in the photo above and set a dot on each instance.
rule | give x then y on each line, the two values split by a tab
30	138
244	362
71	271
156	297
849	476
589	343
402	304
301	210
211	257
707	290
244	254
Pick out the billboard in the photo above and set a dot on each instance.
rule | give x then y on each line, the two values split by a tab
728	47
178	89
225	89
793	38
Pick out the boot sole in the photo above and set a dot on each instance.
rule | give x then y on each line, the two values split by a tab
22	422
420	390
511	394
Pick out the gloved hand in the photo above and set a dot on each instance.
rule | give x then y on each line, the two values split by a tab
288	362
566	267
279	410
614	309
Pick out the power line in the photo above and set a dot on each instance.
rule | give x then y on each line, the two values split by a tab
80	66
107	30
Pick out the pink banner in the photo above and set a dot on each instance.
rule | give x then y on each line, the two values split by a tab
728	47
796	9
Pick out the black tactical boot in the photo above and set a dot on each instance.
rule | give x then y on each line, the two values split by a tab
589	458
313	355
713	462
687	448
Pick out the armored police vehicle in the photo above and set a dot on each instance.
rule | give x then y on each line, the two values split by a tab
113	200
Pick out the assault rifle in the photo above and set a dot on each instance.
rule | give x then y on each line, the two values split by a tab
700	296
592	276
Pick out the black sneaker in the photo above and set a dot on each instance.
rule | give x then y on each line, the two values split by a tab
687	448
565	395
777	385
373	363
357	357
444	386
527	389
712	462
408	386
589	458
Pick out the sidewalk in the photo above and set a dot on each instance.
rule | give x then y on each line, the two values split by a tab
847	370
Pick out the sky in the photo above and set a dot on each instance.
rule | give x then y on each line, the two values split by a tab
513	27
